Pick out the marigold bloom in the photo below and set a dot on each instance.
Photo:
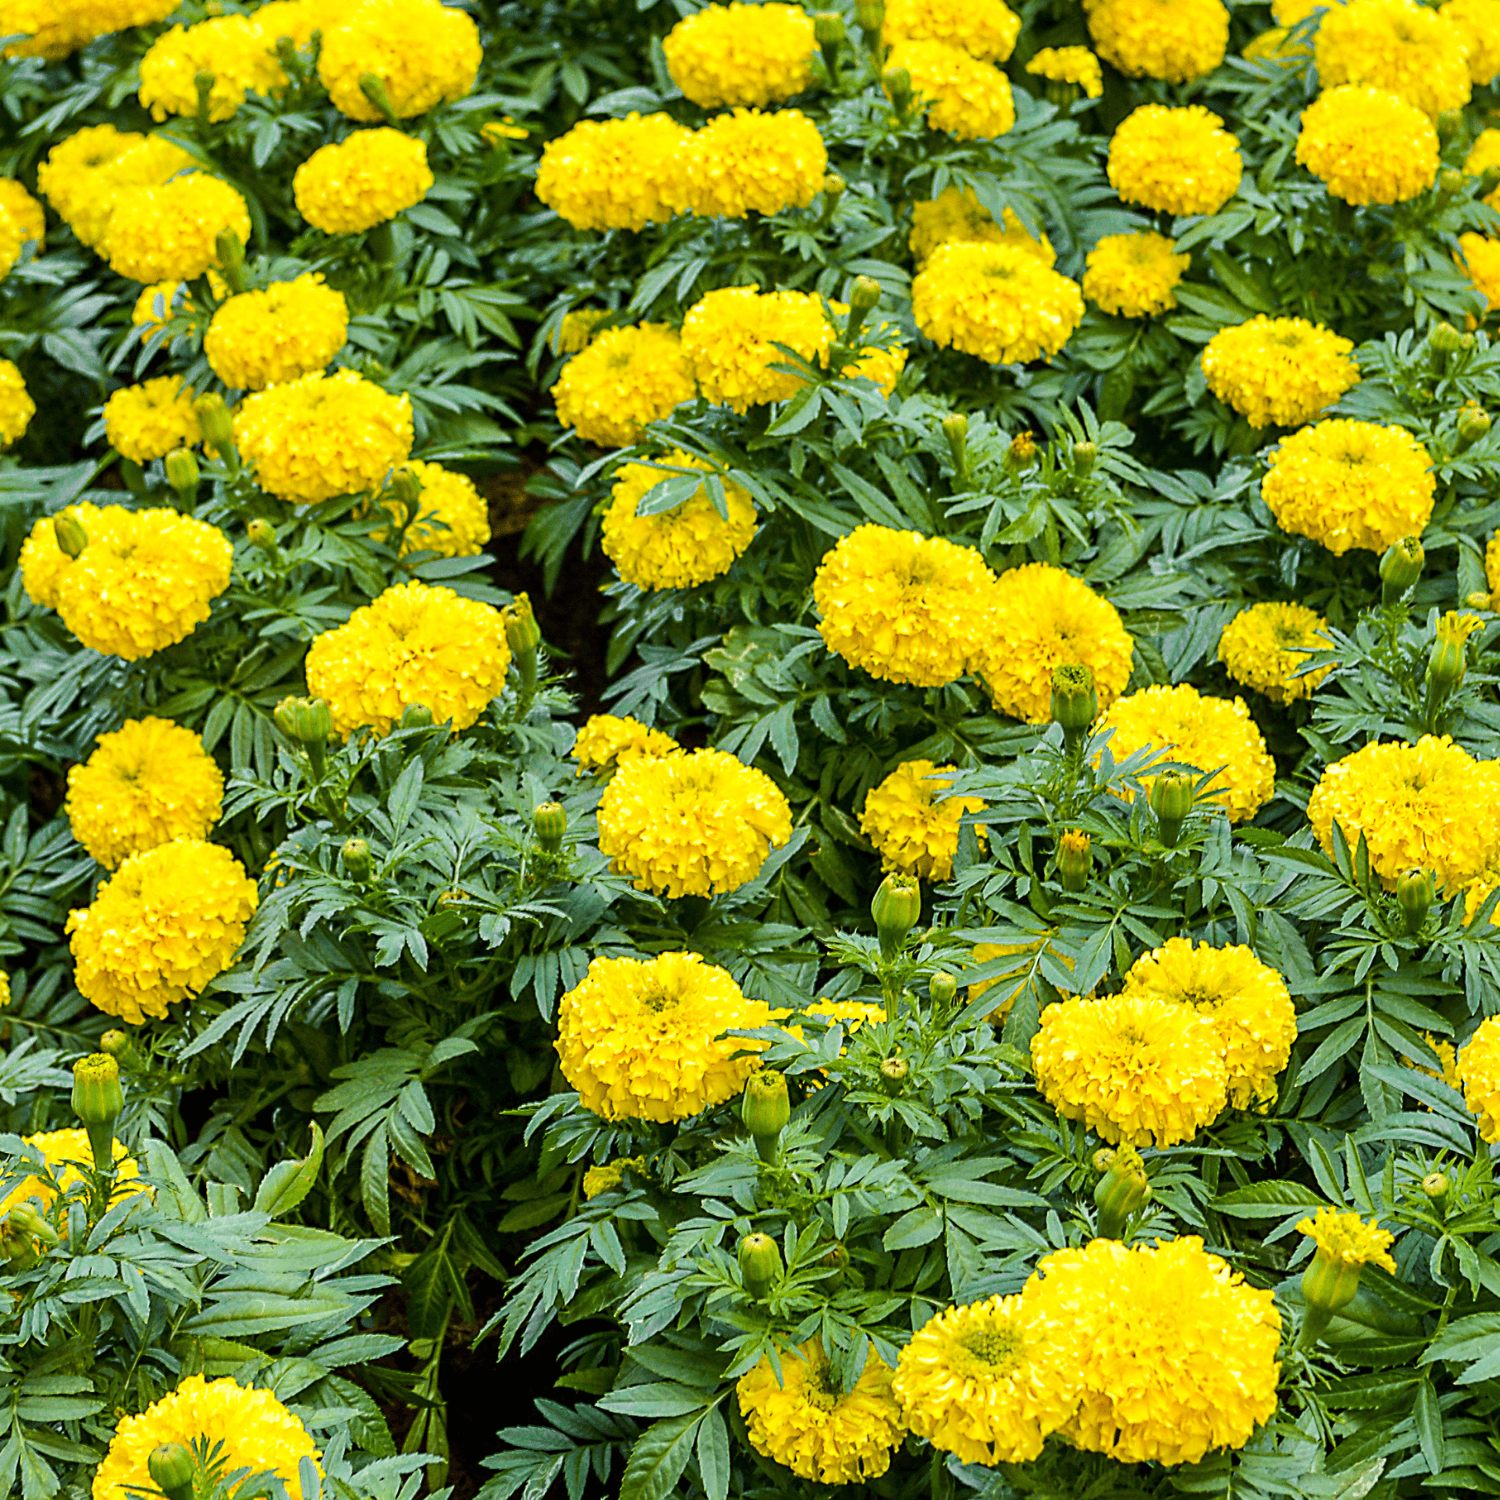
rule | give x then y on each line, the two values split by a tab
266	338
168	233
1395	45
58	27
626	378
24	212
1279	370
1176	1354
323	435
640	1039
1177	161
452	517
362	181
84	174
904	607
1350	484
414	644
168	921
1045	618
1485	153
64	1152
696	824
678	548
577	329
1134	275
148	421
163	300
228	48
989	1382
1481	262
956	214
806	1423
1175	40
986	29
147	783
253	1429
1265	644
1368	146
605	741
1478	1070
1194	730
725	55
1478	24
1347	1239
1427	806
16	406
1069	65
606	1179
423	53
616	174
912	830
729	339
748	162
967	98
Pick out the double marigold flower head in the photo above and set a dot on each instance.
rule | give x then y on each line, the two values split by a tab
16	406
453	519
616	174
1478	1070
625	378
1134	275
292	328
148	421
958	93
607	740
749	162
422	52
1177	161
1367	145
365	180
169	233
986	29
1398	46
1264	646
1175	40
1284	371
727	55
231	49
914	831
956	214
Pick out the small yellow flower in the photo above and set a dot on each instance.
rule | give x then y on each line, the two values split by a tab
1134	275
148	421
914	832
616	174
747	162
606	741
1346	1238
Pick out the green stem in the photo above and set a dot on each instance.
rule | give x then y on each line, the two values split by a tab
102	1148
1314	1325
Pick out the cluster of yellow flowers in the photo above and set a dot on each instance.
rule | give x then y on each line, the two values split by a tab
912	830
1279	370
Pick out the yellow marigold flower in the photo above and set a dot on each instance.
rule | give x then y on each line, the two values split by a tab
616	174
729	340
1134	275
168	233
92	172
1492	563
736	54
163	300
606	741
144	581
641	1039
748	162
607	1178
967	98
1346	1238
806	1423
1265	644
1175	40
148	421
1176	1355
697	824
1447	1057
298	19
323	435
1427	806
1485	153
626	378
1177	161
149	782
250	1429
1246	1000
989	1382
58	27
1478	24
1279	370
423	52
1398	46
1069	65
414	644
16	406
452	517
678	548
997	302
957	215
65	1152
362	181
1481	262
168	921
911	828
228	48
12	243
266	338
986	29
904	607
1209	733
1045	618
1368	146
1350	484
24	211
1478	1071
577	328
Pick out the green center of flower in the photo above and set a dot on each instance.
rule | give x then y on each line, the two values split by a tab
657	1000
1000	273
820	1391
998	1347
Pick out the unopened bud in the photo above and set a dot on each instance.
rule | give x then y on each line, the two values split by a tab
551	824
1489	180
864	295
1443	339
1330	1282
1075	860
1122	1189
357	862
305	720
1400	568
833	189
172	1470
229	251
1171	799
215	424
1446	664
372	86
1414	894
1075	700
1102	1158
760	1264
871	16
1085	455
943	989
765	1107
956	430
897	908
521	629
828	28
28	1225
1450	182
122	1048
1449	123
97	1095
182	471
1022	452
898	87
1473	427
1435	1187
416	716
262	534
893	1074
69	534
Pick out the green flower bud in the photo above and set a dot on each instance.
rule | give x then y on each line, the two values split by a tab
230	254
894	1072
897	908
521	629
173	1470
122	1048
898	88
765	1107
372	86
1489	180
1473	427
1450	182
1449	123
1075	701
215	424
828	28
1446	664
1085	456
1171	799
1122	1189
760	1264
871	16
262	534
1414	893
306	721
1444	339
956	430
1435	1187
943	989
182	471
97	1095
1330	1282
551	824
28	1225
1400	567
416	716
1102	1159
1075	860
357	862
864	295
68	531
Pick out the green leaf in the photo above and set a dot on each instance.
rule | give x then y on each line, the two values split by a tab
660	1455
1268	1200
289	1182
1429	1419
713	1455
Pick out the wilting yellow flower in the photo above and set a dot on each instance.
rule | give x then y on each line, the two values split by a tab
230	49
169	920
1346	1238
148	421
904	607
640	1039
735	54
362	181
323	435
1350	484
423	53
967	98
1178	161
1481	262
695	824
749	162
168	233
1175	40
1045	618
1265	644
986	29
1176	1355
149	782
249	1429
1478	24
729	339
16	406
1479	1074
678	548
605	741
1134	275
1279	370
266	338
1368	146
577	329
957	215
1069	65
806	1423
912	830
65	1152
1427	806
624	379
611	1175
1194	730
452	518
616	174
1395	45
414	644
